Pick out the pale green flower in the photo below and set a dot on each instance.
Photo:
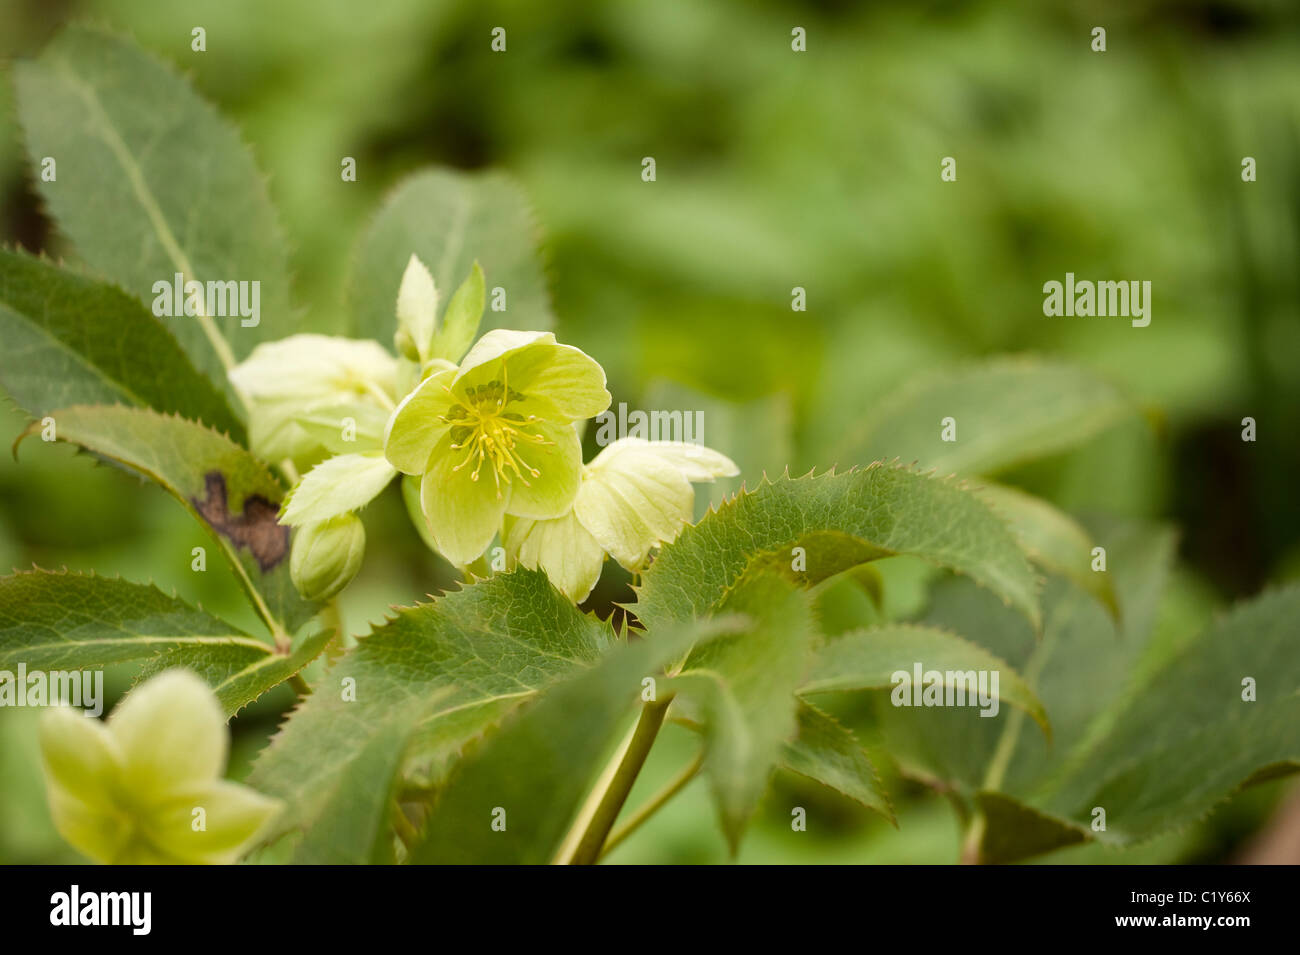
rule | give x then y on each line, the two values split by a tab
145	787
495	436
634	495
304	389
307	388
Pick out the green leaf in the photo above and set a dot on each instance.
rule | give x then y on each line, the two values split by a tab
868	659
152	182
1080	664
555	746
64	621
840	520
238	674
1156	754
828	753
1007	411
426	682
1184	740
1053	540
461	321
1013	831
70	340
336	486
743	686
227	489
450	219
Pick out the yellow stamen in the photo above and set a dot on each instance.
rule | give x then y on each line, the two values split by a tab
490	435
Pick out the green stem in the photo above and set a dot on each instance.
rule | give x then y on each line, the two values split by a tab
283	642
290	471
599	815
1010	737
653	804
331	618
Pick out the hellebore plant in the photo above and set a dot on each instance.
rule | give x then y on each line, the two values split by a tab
484	724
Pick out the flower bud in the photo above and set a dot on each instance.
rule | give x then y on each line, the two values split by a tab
327	555
405	345
417	308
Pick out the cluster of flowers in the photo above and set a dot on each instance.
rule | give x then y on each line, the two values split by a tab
487	440
486	436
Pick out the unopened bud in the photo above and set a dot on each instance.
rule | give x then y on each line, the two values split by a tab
327	555
405	345
417	308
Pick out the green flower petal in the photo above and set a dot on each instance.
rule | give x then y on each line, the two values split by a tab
569	380
416	426
81	762
694	461
557	382
79	754
345	428
96	832
632	501
171	732
481	360
344	483
462	514
309	367
559	463
274	433
562	548
143	852
232	817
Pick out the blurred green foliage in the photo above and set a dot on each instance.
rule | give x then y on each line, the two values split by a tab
774	170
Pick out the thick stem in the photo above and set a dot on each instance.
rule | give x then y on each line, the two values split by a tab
618	784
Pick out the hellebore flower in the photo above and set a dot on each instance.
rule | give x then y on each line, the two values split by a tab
303	391
330	542
146	787
495	436
326	555
634	495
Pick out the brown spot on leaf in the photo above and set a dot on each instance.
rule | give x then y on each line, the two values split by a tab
256	529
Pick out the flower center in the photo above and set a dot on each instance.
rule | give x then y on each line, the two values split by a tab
489	434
